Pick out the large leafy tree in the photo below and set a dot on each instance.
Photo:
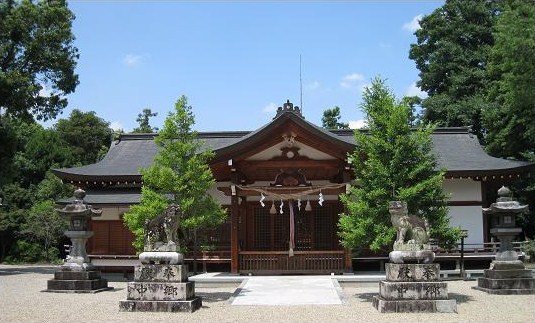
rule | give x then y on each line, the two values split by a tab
86	133
510	118
331	119
452	50
181	175
37	58
391	162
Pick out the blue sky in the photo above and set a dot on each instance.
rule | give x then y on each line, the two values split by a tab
237	61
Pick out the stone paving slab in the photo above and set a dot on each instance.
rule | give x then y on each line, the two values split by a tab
288	290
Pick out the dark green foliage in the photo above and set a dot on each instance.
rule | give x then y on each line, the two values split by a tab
181	175
391	162
510	119
452	50
143	121
331	119
44	227
86	133
37	58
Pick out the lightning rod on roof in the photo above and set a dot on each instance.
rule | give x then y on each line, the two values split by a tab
300	86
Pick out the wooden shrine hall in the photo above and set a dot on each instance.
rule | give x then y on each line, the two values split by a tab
280	185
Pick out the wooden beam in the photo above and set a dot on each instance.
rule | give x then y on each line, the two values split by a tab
280	190
293	164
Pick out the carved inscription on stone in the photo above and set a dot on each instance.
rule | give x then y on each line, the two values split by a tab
428	273
402	289
405	274
141	289
170	290
432	290
168	273
147	273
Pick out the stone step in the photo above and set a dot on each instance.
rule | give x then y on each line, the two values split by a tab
160	306
81	285
414	306
76	275
511	273
506	283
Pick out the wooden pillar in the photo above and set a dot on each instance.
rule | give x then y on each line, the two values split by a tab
234	220
348	263
234	239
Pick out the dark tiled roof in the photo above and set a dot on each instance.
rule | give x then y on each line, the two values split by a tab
458	151
113	196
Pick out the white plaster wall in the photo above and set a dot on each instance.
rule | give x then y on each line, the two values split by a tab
462	189
469	218
111	213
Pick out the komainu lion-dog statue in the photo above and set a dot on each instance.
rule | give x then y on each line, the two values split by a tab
161	233
412	231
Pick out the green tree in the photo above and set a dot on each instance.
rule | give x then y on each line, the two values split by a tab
391	162
44	149
510	118
181	175
143	121
331	119
452	50
43	226
86	133
37	58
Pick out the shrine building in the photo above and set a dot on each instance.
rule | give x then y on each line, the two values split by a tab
288	161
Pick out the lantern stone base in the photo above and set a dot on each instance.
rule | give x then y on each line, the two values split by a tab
160	288
507	278
66	281
413	288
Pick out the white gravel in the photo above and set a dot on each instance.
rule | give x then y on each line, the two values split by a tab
21	300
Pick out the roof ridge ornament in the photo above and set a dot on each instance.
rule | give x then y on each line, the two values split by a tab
289	107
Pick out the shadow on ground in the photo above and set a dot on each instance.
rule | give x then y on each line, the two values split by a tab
214	296
461	298
365	297
45	269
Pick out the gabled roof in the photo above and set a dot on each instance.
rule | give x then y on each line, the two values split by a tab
458	151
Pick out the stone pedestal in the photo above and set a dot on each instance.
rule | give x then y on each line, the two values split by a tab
77	281
413	288
161	288
506	278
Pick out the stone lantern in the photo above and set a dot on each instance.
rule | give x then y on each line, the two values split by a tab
507	274
503	223
78	214
77	274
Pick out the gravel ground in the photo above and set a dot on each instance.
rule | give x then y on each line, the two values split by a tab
21	300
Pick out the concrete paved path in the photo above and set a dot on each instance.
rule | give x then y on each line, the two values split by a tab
288	290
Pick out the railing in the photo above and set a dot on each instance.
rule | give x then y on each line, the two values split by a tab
273	262
486	247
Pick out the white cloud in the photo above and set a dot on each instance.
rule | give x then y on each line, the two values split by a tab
414	24
132	60
414	90
358	124
313	86
116	125
351	80
270	108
